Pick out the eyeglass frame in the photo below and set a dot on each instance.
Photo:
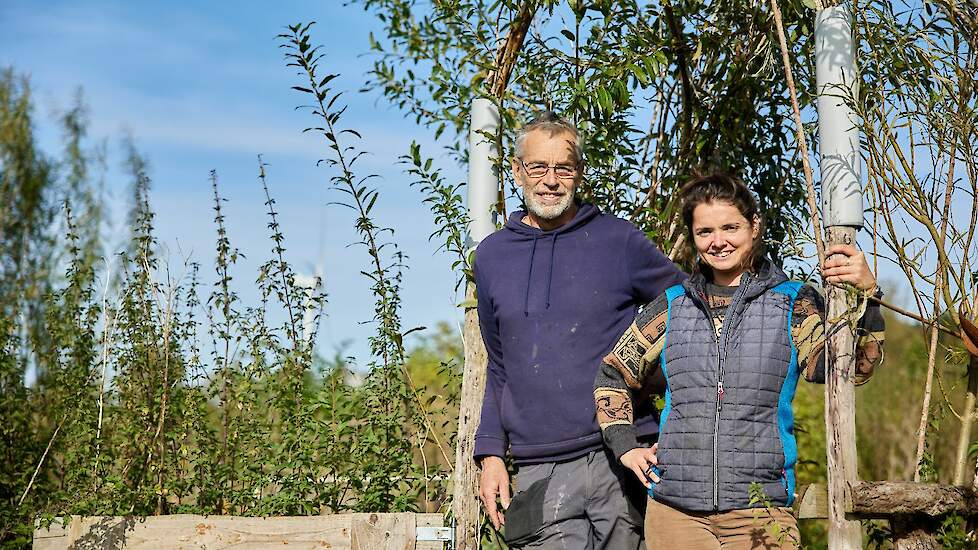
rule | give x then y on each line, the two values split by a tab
550	168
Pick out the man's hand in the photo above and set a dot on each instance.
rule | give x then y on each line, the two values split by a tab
494	483
846	264
640	461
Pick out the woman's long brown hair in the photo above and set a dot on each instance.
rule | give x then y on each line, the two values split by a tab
721	187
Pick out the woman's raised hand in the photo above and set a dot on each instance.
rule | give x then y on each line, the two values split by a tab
846	264
640	461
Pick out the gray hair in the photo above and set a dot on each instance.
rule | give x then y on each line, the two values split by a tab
551	122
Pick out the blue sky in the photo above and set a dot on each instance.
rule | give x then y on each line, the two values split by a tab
203	85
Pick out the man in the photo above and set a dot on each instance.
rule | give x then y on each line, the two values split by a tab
556	288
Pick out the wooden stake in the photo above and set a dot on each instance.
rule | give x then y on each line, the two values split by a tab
840	408
465	500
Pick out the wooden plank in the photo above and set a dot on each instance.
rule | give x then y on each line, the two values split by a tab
813	502
387	531
885	499
429	520
335	532
915	533
192	531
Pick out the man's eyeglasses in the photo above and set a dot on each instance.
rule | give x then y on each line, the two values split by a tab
538	170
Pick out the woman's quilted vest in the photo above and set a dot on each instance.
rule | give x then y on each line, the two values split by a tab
727	429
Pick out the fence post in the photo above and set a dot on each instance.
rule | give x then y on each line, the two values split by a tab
842	211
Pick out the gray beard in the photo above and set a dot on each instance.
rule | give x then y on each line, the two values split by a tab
548	212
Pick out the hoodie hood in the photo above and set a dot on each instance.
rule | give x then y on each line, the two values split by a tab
585	213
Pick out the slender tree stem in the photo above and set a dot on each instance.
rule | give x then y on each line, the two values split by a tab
41	462
802	142
107	325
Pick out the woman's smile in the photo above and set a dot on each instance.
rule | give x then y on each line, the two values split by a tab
724	239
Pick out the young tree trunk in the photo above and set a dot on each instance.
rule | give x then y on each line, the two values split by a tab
465	500
967	419
840	408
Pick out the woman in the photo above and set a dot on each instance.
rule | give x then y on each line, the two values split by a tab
726	349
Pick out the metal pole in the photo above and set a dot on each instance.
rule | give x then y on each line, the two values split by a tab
842	212
483	185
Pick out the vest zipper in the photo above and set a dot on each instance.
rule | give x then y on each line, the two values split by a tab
721	355
716	424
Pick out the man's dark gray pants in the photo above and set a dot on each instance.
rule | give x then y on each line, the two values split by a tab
586	506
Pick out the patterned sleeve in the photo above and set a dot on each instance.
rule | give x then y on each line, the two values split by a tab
808	332
628	372
636	353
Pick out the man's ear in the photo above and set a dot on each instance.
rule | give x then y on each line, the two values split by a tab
514	164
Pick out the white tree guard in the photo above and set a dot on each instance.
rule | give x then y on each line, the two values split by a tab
483	169
838	130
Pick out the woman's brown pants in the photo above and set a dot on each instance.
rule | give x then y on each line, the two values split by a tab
744	529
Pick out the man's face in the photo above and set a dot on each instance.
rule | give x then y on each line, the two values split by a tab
548	173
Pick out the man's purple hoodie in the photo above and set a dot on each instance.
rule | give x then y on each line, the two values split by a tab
551	305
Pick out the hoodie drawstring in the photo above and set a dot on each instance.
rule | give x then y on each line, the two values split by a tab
529	273
529	278
550	272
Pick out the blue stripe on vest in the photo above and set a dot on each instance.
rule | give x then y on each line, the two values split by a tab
672	293
786	415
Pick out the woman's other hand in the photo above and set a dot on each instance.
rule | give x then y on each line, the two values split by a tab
640	461
846	264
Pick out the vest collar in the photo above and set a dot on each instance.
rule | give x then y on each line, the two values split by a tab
766	278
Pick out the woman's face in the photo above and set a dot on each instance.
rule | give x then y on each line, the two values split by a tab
724	239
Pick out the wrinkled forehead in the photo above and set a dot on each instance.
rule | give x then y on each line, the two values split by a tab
550	145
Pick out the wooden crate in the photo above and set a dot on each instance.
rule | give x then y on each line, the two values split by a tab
336	532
